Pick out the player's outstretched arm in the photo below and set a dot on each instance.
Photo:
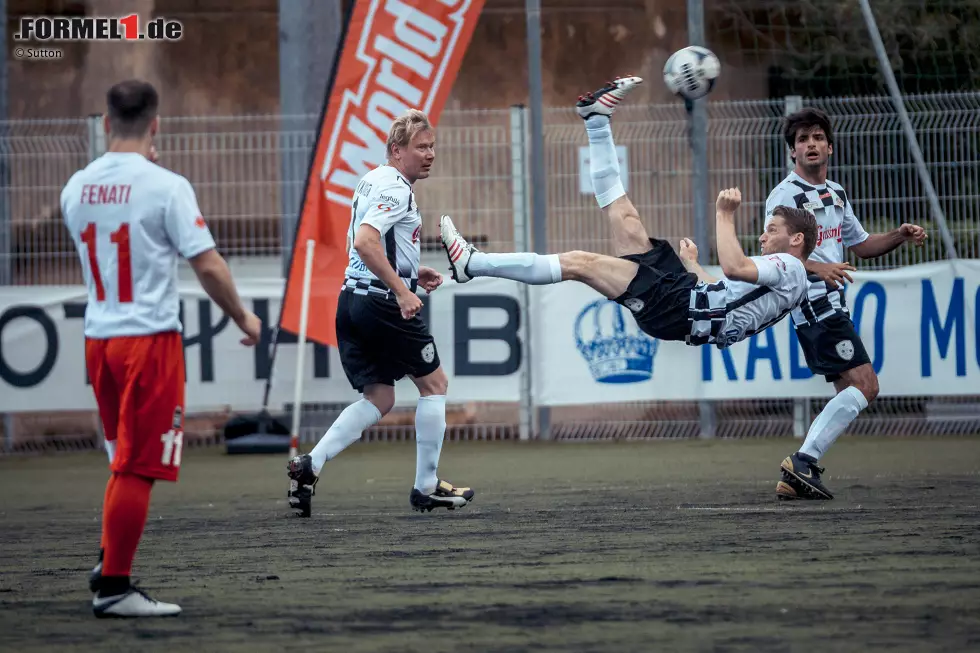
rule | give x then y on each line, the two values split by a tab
734	263
876	245
215	277
689	257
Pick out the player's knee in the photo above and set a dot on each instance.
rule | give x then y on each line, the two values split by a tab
869	385
634	230
383	398
436	383
575	266
866	381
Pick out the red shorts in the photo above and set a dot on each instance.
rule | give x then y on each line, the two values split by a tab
139	387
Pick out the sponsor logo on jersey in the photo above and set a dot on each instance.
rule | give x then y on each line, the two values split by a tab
778	261
364	188
828	234
813	206
416	233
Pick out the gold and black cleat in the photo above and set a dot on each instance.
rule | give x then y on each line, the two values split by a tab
802	475
445	496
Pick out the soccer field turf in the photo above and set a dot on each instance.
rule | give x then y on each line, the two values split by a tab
660	546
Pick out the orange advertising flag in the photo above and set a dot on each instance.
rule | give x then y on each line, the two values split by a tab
396	55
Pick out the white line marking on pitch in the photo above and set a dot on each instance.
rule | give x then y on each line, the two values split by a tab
825	508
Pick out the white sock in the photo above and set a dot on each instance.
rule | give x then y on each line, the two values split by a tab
430	428
110	449
526	267
833	420
603	162
345	431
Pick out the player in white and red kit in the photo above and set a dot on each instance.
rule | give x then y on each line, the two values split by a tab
130	219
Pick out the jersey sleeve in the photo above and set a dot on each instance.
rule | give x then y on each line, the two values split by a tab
852	232
185	225
387	205
775	269
780	196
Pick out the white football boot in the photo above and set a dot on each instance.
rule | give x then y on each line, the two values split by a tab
134	603
457	249
605	101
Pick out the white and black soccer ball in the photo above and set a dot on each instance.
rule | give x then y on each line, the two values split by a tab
691	72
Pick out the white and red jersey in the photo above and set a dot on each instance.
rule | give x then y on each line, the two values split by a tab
130	220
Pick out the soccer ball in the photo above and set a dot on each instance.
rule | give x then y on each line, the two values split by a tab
691	72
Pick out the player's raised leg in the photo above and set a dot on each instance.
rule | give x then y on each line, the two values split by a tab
596	108
608	275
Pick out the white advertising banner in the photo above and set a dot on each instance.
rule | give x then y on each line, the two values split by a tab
918	324
42	351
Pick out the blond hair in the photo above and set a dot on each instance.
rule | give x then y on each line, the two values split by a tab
405	128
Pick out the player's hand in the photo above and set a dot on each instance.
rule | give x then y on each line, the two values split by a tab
728	200
409	303
251	325
688	251
914	233
834	273
429	279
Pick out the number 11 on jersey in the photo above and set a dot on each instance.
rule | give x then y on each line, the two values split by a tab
120	238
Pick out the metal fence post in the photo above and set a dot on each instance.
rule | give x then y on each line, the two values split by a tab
538	178
896	96
801	406
522	238
698	122
6	231
96	136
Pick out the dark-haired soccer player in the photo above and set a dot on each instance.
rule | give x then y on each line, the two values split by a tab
130	219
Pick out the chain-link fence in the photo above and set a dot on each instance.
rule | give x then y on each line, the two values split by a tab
250	171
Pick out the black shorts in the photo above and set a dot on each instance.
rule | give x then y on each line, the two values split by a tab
832	346
377	345
660	294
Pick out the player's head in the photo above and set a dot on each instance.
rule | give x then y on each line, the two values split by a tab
791	231
411	145
810	138
132	110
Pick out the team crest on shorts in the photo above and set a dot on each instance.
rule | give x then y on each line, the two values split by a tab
428	352
634	304
845	349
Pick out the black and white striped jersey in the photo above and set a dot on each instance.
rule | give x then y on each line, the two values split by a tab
727	311
384	200
837	226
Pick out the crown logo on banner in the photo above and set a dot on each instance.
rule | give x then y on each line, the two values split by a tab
614	347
